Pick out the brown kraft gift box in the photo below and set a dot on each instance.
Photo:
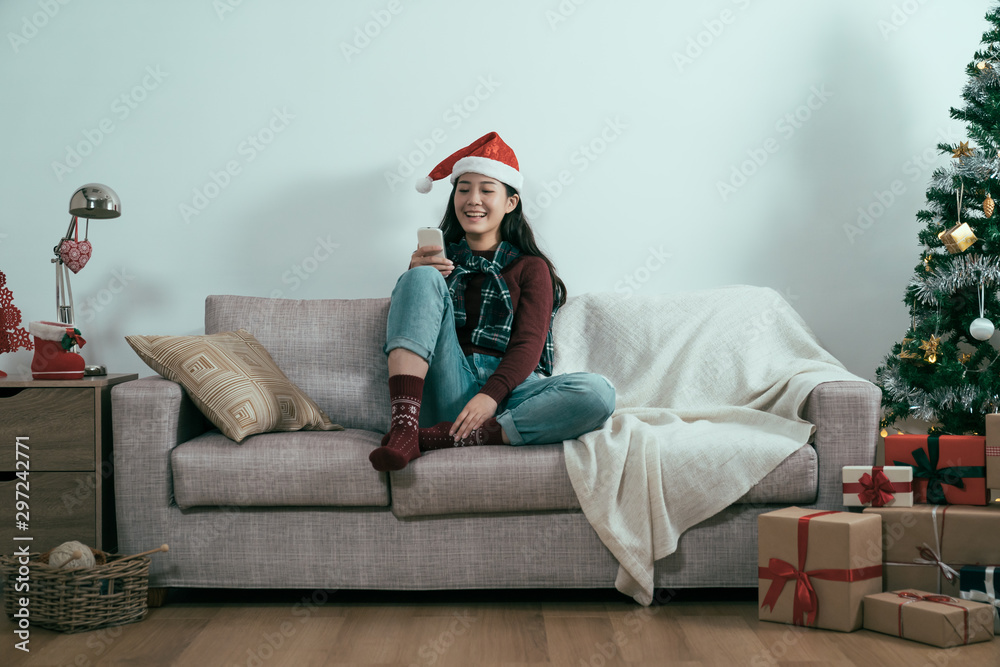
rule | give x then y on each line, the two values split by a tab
925	546
931	578
840	554
939	620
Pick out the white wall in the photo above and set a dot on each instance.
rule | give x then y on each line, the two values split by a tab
558	76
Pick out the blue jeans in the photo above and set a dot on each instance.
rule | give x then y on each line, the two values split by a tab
539	410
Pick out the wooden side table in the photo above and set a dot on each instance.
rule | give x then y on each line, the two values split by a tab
66	425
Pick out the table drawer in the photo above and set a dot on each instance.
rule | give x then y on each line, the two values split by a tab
58	422
61	507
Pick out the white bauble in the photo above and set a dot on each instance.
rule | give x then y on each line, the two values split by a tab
981	328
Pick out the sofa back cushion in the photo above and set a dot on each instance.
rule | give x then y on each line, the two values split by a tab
330	348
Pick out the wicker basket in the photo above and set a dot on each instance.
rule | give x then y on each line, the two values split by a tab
113	592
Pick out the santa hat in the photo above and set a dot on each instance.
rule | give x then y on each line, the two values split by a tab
487	155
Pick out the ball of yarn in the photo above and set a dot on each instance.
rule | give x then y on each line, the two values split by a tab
70	555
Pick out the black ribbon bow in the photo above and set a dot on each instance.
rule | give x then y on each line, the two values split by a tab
926	468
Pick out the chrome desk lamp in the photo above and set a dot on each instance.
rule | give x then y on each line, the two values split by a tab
90	201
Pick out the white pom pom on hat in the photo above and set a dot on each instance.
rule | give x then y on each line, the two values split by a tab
424	185
488	155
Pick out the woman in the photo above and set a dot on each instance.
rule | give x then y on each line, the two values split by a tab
470	334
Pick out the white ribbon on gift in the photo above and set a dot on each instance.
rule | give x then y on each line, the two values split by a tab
943	568
950	573
988	597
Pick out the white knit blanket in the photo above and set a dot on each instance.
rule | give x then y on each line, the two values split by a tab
709	386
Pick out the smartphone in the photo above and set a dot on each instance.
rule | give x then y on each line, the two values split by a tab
431	236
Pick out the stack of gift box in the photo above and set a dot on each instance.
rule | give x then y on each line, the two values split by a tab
917	562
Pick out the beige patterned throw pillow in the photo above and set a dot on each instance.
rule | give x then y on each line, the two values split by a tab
234	382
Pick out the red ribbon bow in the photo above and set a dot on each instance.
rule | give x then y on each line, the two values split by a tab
72	337
878	489
805	595
940	599
926	598
805	601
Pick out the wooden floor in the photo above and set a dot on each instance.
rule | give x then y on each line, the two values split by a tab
573	628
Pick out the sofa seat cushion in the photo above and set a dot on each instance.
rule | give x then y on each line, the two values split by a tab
795	480
328	469
478	480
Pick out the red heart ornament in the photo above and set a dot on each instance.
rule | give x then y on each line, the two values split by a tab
75	254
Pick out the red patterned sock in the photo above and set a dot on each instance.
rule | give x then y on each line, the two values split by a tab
436	437
401	442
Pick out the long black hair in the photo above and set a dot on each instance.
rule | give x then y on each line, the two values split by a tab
514	229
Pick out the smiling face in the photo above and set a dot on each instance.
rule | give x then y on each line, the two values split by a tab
481	203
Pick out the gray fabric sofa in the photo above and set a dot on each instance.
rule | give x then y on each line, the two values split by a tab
306	509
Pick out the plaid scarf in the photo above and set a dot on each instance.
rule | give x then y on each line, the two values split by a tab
496	314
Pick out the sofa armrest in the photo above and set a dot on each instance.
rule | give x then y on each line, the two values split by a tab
846	415
150	417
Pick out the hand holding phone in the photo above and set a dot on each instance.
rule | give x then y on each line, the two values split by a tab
430	251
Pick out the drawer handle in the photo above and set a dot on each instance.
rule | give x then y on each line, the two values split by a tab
7	476
10	393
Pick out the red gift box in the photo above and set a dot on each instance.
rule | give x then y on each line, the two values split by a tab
947	469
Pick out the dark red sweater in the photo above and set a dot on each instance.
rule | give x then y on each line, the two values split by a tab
530	286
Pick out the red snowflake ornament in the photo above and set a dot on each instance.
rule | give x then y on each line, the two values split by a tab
20	340
10	317
12	336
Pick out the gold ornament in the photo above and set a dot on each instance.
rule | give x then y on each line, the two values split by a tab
988	206
963	150
927	262
958	238
930	348
906	354
964	357
981	65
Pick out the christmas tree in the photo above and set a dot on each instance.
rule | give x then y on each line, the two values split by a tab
12	338
945	370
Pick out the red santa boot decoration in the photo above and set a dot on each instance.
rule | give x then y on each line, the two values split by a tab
53	359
